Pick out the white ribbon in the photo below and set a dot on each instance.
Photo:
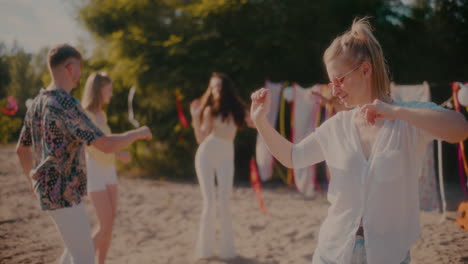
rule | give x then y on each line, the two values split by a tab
131	117
441	181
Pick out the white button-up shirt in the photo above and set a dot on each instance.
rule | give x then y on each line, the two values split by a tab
381	190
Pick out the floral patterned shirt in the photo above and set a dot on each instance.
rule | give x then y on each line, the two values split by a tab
56	127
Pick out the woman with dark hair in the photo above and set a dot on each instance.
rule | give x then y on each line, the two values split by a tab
216	116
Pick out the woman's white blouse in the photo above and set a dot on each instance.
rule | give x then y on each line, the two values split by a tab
382	190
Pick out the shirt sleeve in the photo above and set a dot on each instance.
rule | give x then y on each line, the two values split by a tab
78	124
25	138
316	146
307	152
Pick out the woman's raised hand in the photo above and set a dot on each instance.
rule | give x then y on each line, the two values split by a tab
261	100
377	110
195	108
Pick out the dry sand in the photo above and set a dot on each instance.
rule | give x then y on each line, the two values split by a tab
157	222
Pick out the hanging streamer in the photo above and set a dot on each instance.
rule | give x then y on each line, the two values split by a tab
441	182
257	185
287	179
180	109
463	166
282	129
318	121
265	160
131	116
282	111
281	174
462	220
291	171
329	112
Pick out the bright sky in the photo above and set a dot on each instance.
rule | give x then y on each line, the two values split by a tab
38	23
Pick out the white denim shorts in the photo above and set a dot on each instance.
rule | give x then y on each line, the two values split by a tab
99	175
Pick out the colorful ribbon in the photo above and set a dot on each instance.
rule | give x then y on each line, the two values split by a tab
462	163
291	171
257	185
282	128
180	109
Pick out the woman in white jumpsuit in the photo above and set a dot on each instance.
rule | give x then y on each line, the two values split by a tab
215	119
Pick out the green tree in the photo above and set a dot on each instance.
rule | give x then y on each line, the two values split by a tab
4	73
161	46
25	80
20	77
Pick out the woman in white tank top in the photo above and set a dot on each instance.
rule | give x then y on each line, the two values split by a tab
215	119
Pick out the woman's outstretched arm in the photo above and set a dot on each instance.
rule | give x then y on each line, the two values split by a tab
278	146
443	124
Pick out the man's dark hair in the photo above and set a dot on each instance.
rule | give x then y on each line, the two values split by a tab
60	53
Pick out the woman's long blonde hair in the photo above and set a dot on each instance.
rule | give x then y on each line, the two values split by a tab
92	96
357	45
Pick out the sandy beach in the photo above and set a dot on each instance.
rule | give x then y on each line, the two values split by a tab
157	222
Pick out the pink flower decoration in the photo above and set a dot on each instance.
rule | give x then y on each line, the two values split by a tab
12	106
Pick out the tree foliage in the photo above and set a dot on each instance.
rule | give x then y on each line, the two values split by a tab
161	46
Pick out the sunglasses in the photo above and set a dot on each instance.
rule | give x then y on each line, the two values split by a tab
338	81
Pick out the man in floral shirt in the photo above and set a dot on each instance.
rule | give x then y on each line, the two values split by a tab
51	152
